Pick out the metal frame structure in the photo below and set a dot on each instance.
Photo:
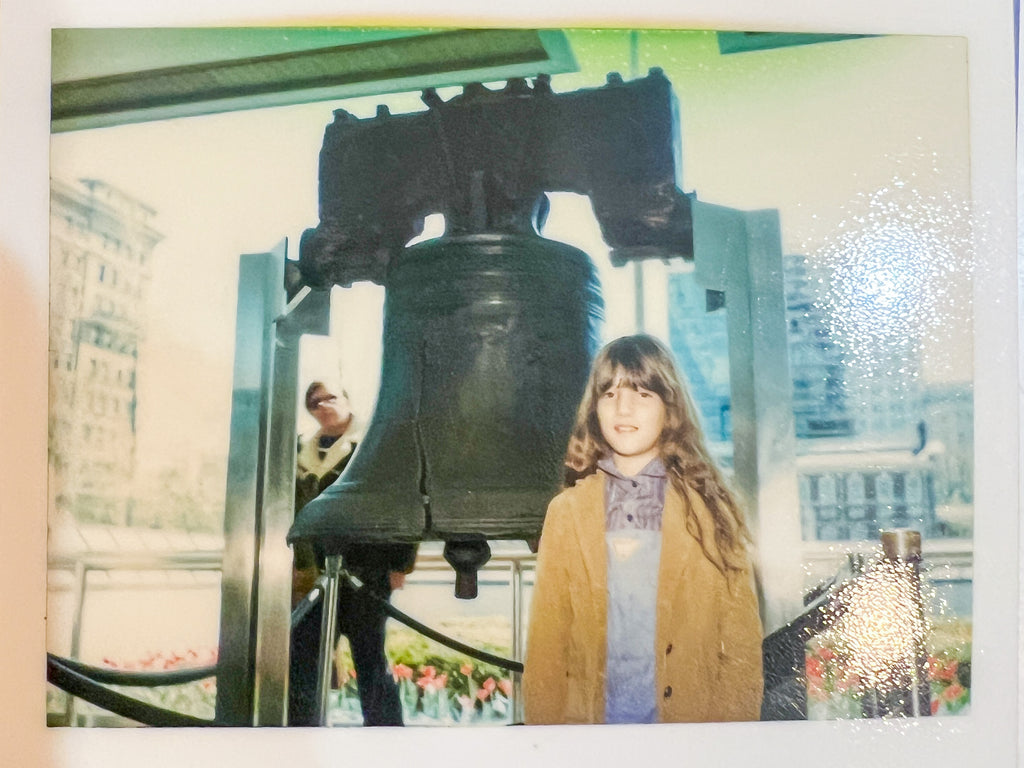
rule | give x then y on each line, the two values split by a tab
739	253
256	588
736	253
256	585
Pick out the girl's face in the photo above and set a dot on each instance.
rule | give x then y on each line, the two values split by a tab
631	422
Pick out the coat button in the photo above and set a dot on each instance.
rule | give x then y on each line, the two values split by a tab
669	649
668	691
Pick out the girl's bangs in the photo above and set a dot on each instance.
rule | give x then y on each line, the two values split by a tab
631	376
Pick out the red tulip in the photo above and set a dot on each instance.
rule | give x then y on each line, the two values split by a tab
815	669
953	692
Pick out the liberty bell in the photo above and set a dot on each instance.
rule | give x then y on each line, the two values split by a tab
490	329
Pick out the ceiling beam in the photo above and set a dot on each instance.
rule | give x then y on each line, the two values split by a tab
412	62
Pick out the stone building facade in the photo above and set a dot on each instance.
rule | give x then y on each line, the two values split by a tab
101	251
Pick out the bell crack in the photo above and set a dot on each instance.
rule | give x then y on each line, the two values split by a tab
421	452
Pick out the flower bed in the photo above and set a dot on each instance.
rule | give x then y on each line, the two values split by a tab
438	686
835	692
197	698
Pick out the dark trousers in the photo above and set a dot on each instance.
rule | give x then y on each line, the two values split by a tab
361	619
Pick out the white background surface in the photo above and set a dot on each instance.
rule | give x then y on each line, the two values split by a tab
989	734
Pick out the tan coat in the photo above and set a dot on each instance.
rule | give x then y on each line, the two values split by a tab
708	634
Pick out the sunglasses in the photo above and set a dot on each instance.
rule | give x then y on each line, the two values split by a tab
316	402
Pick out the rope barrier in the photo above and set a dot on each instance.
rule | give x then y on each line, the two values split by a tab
433	634
135	678
308	602
86	681
81	686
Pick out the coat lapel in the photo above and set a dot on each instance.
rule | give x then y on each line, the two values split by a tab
675	555
589	524
592	598
684	521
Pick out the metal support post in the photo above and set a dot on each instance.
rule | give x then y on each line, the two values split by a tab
908	692
81	582
328	635
740	253
517	638
256	583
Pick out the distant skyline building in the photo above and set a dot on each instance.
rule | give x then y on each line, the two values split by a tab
849	491
948	413
815	360
700	342
101	248
876	447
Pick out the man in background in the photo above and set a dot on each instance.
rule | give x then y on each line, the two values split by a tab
381	568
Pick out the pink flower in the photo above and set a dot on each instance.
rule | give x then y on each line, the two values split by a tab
427	678
953	692
505	686
815	669
441	681
489	684
483	694
947	673
402	672
466	669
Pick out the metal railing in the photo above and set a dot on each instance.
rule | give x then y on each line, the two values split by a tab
906	692
84	563
783	651
86	682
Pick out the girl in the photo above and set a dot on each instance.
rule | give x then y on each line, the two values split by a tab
643	608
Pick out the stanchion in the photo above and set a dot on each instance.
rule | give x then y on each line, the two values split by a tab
907	692
328	628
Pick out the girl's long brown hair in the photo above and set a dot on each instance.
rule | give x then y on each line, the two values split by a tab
642	361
